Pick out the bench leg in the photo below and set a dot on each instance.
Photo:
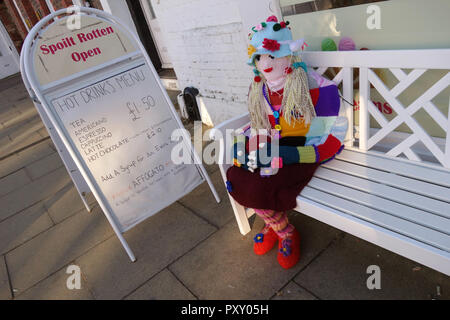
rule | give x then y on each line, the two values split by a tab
241	216
239	211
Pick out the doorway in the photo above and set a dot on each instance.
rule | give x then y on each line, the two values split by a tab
9	58
157	34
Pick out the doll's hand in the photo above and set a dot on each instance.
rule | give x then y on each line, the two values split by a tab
240	156
261	157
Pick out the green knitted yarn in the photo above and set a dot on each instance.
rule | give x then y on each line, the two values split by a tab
329	45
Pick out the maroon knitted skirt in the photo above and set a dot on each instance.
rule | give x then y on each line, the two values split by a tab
278	192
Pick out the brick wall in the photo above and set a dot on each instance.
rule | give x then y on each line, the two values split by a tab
208	49
28	12
95	4
61	4
40	8
13	23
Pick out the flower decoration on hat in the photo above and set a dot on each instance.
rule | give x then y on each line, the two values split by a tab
260	27
271	45
251	50
272	19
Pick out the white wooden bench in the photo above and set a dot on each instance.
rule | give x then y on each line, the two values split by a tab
379	188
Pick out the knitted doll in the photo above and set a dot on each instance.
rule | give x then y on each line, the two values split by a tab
295	113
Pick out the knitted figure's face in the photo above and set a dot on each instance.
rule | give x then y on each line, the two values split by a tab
274	70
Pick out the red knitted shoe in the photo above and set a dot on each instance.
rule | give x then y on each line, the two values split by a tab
264	241
289	250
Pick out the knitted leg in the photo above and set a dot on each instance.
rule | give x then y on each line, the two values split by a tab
281	225
278	221
266	239
289	239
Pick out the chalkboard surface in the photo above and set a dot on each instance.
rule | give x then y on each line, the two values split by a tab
122	126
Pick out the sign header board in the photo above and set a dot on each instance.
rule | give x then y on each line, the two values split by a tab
61	52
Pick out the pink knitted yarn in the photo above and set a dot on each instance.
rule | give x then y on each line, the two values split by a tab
346	44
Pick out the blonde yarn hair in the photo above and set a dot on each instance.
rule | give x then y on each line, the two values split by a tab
296	100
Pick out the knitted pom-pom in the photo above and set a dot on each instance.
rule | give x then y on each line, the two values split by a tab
329	45
347	44
257	79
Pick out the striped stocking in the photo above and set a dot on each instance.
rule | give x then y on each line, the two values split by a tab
278	221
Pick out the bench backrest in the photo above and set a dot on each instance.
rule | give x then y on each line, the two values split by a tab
407	68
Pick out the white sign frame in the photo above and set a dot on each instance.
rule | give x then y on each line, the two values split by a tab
83	177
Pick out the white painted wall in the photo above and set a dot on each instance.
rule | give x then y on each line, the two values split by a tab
207	44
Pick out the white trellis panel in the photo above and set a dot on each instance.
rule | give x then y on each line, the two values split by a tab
419	61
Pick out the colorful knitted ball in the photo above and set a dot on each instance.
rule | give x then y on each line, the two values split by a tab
347	44
329	45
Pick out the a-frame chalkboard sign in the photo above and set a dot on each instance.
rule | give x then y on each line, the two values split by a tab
109	115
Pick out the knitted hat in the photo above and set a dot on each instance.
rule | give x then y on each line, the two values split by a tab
272	38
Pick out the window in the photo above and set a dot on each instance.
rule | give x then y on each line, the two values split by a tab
291	7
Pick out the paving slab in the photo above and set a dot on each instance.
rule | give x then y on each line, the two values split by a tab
293	292
341	273
156	243
13	182
164	286
20	119
66	202
43	133
25	157
55	248
9	82
5	289
20	142
225	267
25	106
44	166
55	288
23	127
8	114
203	203
23	226
33	193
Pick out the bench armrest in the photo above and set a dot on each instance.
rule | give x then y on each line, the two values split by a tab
233	123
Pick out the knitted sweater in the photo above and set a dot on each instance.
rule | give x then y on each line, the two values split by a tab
324	138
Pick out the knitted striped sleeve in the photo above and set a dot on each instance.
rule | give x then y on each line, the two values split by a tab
326	148
318	153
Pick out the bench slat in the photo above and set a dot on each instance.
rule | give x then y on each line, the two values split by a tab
417	186
387	192
436	176
420	252
406	228
414	215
